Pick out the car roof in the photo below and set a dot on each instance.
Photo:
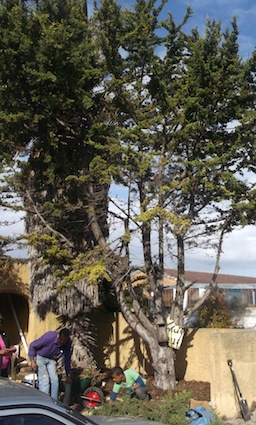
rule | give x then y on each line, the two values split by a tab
14	393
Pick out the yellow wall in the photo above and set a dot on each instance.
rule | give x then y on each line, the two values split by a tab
203	357
38	327
117	344
20	322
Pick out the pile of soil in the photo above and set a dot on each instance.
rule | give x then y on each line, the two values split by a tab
199	390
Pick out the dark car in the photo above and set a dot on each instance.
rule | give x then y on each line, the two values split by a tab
23	405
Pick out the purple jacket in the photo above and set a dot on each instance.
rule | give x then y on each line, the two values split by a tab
47	346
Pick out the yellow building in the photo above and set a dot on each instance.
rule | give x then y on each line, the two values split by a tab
21	324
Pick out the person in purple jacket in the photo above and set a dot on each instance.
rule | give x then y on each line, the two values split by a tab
43	354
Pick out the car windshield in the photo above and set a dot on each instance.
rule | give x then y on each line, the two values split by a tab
42	418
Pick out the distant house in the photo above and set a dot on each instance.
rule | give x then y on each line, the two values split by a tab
236	288
240	287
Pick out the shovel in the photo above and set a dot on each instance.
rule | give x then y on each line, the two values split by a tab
243	403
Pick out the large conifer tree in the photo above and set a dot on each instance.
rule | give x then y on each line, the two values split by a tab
51	112
181	101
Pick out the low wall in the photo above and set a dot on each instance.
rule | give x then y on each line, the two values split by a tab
203	357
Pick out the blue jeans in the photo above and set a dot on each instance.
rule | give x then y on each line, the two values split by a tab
47	376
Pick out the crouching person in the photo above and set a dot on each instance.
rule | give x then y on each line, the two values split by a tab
131	380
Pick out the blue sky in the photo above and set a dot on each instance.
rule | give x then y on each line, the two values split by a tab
221	10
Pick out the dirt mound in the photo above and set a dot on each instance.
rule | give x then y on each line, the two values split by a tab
199	390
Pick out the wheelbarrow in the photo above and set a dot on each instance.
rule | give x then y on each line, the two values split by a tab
85	389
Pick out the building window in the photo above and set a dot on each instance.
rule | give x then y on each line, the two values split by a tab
242	296
168	297
234	294
193	296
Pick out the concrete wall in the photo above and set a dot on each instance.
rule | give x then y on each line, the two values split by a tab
203	357
248	320
117	344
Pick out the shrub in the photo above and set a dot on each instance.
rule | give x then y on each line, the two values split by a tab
170	410
215	312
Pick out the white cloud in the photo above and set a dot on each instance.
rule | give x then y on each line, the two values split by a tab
245	15
12	223
241	244
239	248
238	256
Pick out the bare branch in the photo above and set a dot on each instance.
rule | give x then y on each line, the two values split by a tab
124	212
213	283
136	318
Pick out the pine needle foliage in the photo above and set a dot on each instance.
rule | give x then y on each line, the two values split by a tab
171	410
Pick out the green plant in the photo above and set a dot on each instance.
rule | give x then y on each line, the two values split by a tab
215	312
172	411
218	421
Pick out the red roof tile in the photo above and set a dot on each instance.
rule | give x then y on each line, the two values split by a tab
203	277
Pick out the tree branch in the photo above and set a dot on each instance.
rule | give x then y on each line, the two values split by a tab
213	283
39	215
